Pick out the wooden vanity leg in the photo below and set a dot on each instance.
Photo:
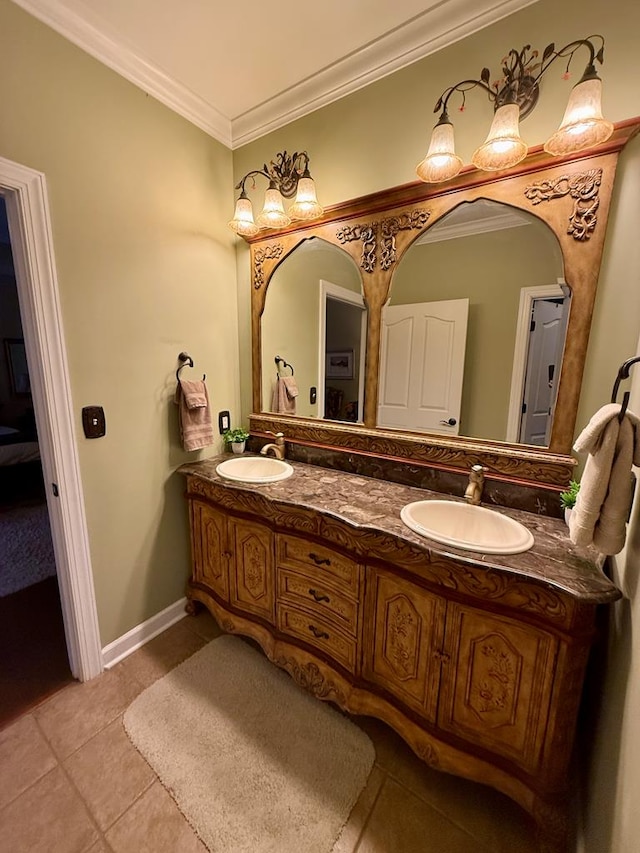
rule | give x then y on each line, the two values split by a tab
193	607
552	821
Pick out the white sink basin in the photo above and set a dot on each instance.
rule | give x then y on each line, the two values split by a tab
475	528
254	469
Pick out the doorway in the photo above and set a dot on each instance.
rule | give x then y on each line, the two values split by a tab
540	337
342	336
25	199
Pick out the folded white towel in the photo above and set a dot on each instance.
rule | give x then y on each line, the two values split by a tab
602	507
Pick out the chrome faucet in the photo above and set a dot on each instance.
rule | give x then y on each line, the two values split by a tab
276	448
473	492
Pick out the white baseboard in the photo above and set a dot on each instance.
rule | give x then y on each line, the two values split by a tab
141	634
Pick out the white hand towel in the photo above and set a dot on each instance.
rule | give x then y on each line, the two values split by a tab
602	507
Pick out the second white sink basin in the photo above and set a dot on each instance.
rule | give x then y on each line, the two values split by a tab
475	528
254	469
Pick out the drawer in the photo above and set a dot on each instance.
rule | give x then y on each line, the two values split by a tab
309	591
295	553
319	633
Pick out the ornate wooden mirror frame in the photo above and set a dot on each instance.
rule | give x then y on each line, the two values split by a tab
571	195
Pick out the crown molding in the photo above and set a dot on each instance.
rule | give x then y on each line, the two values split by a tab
498	222
132	67
443	24
438	27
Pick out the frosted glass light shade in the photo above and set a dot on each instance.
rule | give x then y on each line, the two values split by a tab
272	214
503	147
242	222
441	161
306	204
582	125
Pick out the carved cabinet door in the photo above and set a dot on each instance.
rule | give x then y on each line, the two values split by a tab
404	627
496	683
252	567
209	548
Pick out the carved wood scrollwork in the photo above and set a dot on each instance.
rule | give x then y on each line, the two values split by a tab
368	235
309	677
584	188
414	219
262	255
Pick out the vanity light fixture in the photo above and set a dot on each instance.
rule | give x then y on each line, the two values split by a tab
288	175
514	97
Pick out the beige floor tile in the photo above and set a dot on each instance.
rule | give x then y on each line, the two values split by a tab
481	811
162	654
204	625
110	773
49	817
402	823
25	757
153	825
80	711
354	827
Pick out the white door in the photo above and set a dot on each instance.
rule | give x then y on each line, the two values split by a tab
422	365
548	320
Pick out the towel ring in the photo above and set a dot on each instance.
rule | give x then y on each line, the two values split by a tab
623	373
187	361
278	359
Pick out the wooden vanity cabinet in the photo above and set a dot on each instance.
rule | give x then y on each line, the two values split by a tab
479	670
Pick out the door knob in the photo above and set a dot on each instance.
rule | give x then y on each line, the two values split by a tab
450	422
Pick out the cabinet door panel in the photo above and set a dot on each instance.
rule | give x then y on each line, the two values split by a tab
208	544
497	683
252	574
404	625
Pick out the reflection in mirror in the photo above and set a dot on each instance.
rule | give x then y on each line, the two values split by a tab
473	332
315	320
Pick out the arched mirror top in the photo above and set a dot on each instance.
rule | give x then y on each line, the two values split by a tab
566	203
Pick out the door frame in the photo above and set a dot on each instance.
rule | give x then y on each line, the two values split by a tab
528	295
25	194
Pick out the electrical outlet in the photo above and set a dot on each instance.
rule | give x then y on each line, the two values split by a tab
224	422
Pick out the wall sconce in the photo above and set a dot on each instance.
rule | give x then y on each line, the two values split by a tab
287	176
514	97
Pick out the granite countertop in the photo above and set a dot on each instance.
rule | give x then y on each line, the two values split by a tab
370	504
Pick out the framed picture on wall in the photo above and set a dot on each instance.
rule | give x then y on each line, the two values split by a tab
17	366
339	364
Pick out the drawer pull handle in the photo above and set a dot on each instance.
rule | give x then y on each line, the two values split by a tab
319	561
319	635
318	597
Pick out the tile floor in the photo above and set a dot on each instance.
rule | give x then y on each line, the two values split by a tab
70	780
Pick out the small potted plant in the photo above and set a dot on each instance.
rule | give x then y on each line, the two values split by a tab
568	499
236	438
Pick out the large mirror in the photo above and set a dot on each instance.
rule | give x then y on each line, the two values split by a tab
474	329
509	250
314	327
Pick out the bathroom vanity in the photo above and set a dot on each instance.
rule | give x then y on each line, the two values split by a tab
477	661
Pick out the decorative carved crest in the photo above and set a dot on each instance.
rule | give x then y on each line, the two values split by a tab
262	255
309	677
402	637
584	188
368	235
415	219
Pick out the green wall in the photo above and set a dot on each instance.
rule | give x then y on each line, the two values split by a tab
139	199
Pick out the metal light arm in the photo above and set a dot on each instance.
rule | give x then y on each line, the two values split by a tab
283	173
521	76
